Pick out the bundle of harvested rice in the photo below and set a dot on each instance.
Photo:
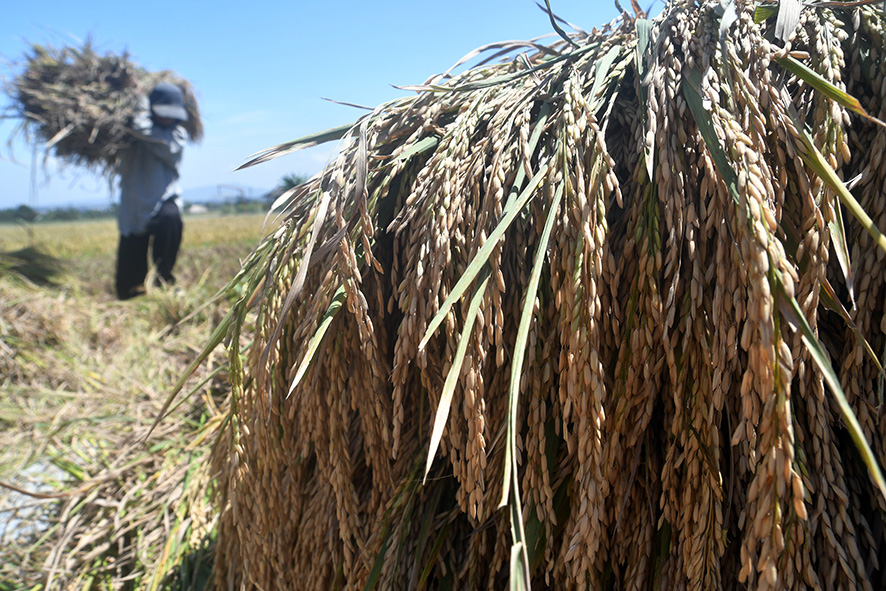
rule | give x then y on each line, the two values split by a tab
570	320
79	103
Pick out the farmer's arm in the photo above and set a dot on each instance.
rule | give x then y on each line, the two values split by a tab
166	143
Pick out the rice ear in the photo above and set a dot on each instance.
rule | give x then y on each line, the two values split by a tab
562	353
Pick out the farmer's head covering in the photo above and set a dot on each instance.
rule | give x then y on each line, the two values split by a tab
168	101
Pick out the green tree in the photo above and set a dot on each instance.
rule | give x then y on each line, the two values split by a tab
292	180
25	214
286	183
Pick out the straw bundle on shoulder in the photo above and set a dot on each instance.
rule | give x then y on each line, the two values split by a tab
78	103
570	320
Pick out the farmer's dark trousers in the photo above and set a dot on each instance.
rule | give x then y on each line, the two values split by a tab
132	253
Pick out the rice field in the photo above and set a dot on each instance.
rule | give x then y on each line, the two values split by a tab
90	238
82	377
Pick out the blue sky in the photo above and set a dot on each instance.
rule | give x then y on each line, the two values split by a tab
261	70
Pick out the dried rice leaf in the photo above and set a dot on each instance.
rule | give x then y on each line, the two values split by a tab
308	141
788	18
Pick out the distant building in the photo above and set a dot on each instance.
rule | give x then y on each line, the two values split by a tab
197	209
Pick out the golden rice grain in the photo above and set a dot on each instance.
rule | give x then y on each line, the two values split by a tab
672	429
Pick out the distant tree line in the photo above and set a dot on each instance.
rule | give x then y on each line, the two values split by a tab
28	215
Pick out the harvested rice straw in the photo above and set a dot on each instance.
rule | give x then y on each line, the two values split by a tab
672	426
79	104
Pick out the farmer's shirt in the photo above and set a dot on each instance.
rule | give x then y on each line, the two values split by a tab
148	173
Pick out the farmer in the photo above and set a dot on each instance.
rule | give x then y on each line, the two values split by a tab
149	192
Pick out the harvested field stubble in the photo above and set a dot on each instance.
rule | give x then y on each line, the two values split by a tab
601	284
99	505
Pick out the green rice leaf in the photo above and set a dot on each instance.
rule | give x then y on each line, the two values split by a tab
434	555
763	12
520	347
535	541
516	201
71	468
337	300
691	86
427	523
519	580
519	574
483	255
540	126
841	247
790	310
423	145
503	47
557	27
817	162
601	71
298	282
829	300
644	37
816	81
375	573
496	80
455	371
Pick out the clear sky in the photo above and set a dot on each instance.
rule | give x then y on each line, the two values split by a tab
261	69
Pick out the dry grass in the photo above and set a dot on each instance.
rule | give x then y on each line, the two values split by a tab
98	238
82	378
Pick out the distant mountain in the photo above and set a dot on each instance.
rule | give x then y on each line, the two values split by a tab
222	193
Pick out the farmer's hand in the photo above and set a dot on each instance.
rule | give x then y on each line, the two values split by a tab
141	120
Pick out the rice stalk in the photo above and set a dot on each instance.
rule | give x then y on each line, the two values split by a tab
585	283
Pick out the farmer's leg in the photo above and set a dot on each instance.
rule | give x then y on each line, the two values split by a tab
166	226
132	265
